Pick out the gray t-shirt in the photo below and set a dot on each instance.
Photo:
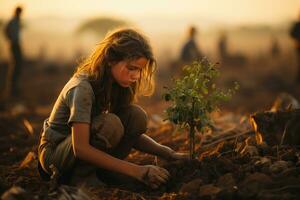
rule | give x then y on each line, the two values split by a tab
74	104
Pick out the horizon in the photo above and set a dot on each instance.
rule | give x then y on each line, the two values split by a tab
231	12
52	25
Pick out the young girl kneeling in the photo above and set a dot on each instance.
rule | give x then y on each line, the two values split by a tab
94	123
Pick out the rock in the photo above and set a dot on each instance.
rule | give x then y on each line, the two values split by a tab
226	181
275	128
290	172
227	194
191	187
257	177
253	184
263	161
15	193
279	166
276	196
285	101
209	191
228	185
263	164
226	165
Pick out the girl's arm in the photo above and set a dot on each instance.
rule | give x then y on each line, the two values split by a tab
84	151
148	145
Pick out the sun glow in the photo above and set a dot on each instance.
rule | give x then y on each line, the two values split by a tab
229	11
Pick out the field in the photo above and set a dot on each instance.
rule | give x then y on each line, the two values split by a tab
232	162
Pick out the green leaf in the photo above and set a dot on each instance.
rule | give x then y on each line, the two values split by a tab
195	95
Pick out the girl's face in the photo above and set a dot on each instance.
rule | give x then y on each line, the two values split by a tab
126	73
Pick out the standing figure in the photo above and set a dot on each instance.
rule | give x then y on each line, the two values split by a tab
275	48
12	33
295	34
190	51
223	47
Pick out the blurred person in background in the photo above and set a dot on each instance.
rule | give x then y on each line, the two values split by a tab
275	47
223	47
190	51
295	34
12	32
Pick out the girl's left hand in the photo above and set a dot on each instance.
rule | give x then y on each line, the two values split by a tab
178	156
170	154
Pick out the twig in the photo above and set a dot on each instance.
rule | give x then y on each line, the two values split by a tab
225	138
284	132
223	153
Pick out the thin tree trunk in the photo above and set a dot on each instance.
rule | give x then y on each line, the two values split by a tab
192	142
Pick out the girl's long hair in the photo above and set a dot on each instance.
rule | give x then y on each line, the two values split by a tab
119	45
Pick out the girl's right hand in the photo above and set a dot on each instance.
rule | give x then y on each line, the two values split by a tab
153	176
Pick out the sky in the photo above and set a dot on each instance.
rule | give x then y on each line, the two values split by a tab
164	21
223	11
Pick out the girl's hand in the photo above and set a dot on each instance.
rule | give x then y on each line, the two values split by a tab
178	156
173	155
153	176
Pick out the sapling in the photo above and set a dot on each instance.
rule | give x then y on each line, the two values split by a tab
193	97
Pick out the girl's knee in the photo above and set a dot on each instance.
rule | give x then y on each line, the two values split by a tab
138	119
139	112
106	131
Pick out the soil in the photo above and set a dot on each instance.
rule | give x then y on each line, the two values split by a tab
237	168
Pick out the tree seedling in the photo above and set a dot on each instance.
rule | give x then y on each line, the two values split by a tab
193	97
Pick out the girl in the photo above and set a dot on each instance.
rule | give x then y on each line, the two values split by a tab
94	123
